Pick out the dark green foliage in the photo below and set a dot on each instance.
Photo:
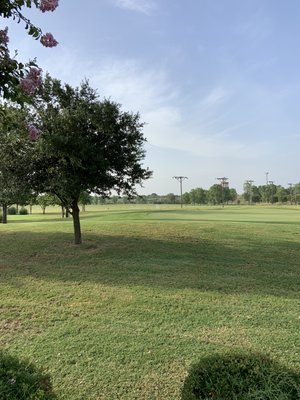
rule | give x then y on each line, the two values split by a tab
23	211
12	211
241	377
15	157
86	145
22	381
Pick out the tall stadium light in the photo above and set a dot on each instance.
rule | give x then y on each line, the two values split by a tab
224	184
180	179
249	183
291	192
267	180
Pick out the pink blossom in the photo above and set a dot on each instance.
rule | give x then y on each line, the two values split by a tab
4	39
32	81
33	132
48	40
48	5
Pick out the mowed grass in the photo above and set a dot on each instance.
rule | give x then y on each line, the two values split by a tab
151	291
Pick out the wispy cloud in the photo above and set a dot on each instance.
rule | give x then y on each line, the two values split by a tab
143	6
215	96
205	131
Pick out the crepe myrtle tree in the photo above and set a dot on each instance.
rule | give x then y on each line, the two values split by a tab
85	145
18	81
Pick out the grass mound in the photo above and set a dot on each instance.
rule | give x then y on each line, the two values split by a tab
241	377
22	381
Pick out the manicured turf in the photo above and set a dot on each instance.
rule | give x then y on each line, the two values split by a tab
151	291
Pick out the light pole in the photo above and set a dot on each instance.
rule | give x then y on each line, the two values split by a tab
249	183
180	179
267	181
224	183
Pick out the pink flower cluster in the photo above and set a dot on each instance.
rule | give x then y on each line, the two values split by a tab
32	81
48	5
33	132
48	40
4	39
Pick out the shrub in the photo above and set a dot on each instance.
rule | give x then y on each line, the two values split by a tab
241	377
12	211
21	380
23	211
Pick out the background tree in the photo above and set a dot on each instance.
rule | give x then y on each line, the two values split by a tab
170	198
186	198
232	195
281	194
45	200
198	196
84	199
214	194
265	193
15	158
86	145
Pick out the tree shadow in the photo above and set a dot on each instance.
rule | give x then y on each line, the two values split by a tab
170	262
243	376
22	380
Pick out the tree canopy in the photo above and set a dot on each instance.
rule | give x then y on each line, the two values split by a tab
85	145
15	158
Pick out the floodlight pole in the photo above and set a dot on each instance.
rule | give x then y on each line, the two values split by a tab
267	180
249	182
224	183
180	179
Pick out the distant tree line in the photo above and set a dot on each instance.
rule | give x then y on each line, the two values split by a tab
215	195
271	193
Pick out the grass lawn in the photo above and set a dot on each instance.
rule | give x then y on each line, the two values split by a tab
151	291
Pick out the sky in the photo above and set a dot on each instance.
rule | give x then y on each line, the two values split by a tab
217	82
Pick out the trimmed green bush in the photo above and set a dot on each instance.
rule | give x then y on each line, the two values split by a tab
12	211
241	377
23	211
21	380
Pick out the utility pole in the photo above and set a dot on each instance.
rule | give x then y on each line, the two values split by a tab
180	179
249	183
291	193
267	181
224	184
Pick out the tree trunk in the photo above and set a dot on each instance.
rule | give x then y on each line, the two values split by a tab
17	208
62	211
30	208
67	213
4	214
44	210
76	223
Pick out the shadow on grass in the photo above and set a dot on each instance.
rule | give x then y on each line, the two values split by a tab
20	380
241	377
180	263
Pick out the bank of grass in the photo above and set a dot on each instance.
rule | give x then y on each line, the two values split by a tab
151	291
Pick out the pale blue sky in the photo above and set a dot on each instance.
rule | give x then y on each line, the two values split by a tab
217	81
